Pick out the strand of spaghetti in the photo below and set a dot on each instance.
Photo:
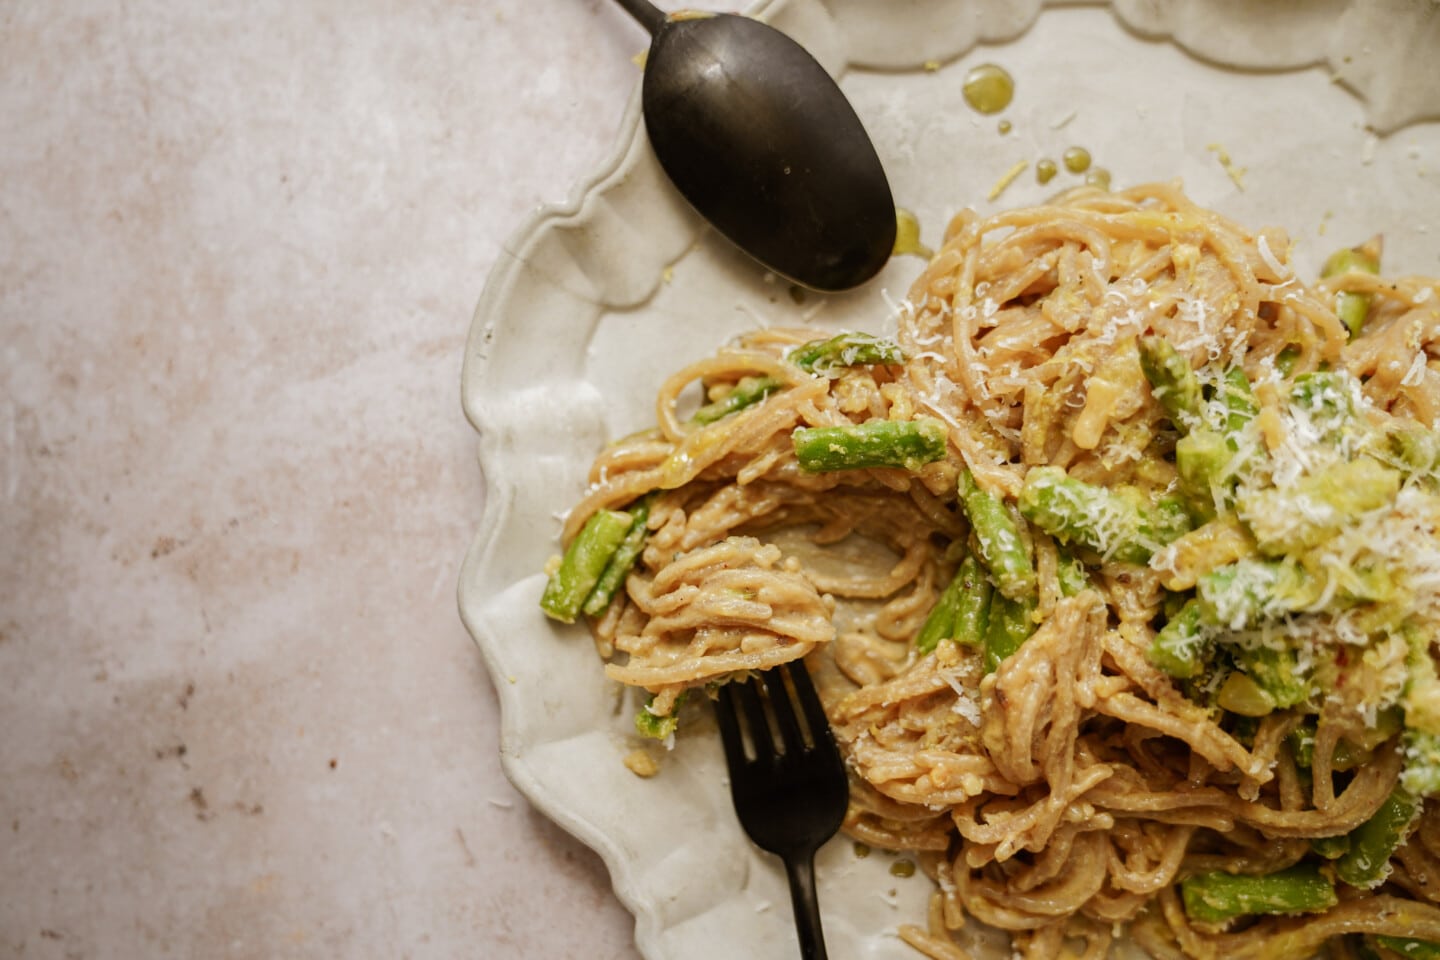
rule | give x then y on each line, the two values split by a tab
1266	749
1050	862
708	667
902	573
1024	239
614	493
1149	882
1359	800
967	366
1011	827
1189	725
891	837
726	365
990	901
635	453
1327	740
1012	286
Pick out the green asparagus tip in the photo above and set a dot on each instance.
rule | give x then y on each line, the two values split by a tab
845	350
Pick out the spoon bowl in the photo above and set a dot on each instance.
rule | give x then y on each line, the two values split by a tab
760	140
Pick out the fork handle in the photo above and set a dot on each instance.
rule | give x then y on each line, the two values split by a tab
801	872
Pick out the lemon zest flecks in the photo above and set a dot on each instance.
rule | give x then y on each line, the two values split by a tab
1007	178
1236	174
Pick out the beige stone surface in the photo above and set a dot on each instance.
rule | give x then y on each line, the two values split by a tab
240	244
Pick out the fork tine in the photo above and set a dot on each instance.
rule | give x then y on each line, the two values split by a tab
730	735
747	695
814	712
784	710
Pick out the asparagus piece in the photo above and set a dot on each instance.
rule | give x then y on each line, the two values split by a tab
1202	458
1172	381
998	539
845	350
960	613
583	564
1421	777
1114	524
1308	513
1180	647
1410	947
1072	510
940	622
1009	626
1172	602
1245	730
1165	522
1218	897
1327	399
1331	848
746	393
1070	571
1422	714
1241	594
655	727
908	444
1302	744
1353	307
1237	594
1367	863
1239	402
622	560
1276	672
1204	688
972	614
1418	449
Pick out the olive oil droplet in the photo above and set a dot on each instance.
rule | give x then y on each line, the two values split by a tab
1077	159
1005	127
902	868
1099	177
988	88
1045	171
907	235
862	850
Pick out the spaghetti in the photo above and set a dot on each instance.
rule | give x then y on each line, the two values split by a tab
1145	644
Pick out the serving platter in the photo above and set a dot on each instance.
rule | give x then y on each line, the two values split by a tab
1318	117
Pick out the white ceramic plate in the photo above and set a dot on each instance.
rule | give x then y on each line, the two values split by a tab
596	302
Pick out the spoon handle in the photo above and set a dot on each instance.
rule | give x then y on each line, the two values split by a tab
651	17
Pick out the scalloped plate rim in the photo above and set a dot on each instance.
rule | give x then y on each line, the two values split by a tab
485	318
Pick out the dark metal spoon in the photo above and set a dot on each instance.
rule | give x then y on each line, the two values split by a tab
760	140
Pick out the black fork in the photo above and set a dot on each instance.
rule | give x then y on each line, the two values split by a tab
787	779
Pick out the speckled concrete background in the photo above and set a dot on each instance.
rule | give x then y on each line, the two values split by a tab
239	248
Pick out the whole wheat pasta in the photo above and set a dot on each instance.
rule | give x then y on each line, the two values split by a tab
1221	586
